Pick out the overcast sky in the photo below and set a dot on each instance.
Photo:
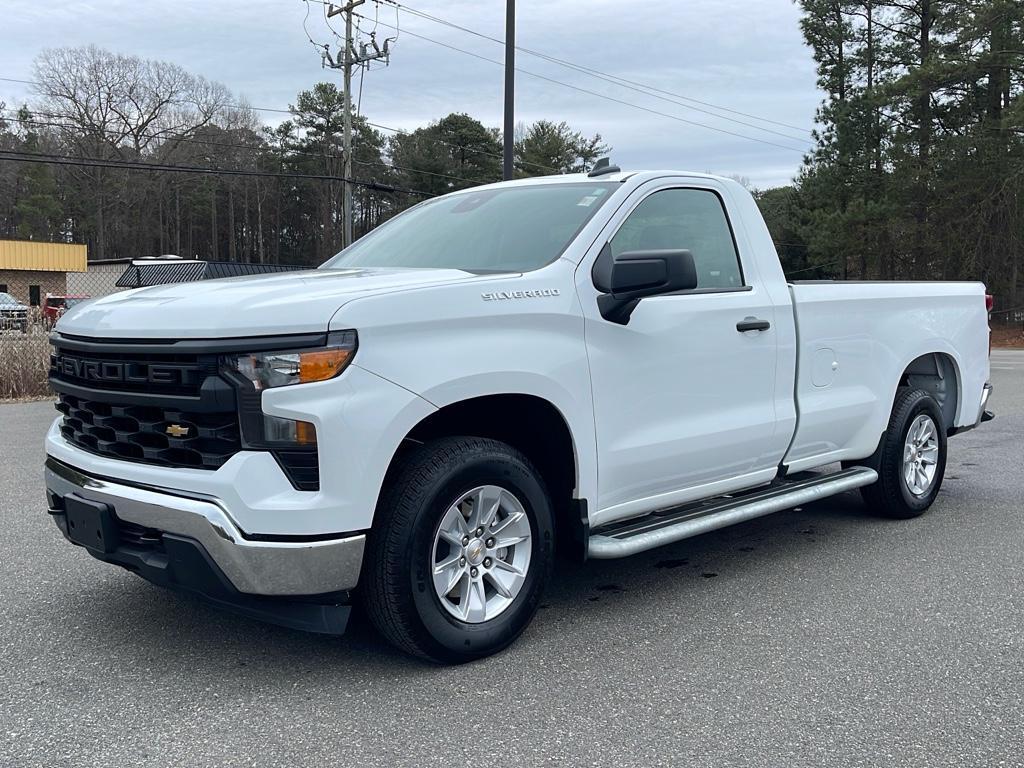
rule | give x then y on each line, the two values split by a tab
745	55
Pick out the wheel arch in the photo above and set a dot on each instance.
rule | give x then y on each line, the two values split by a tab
531	424
939	375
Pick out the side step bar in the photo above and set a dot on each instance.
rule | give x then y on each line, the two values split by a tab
666	527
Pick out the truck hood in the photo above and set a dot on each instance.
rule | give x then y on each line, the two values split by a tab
260	305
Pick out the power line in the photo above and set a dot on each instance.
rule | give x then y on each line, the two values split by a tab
230	145
305	20
813	267
648	90
597	94
622	82
379	126
93	162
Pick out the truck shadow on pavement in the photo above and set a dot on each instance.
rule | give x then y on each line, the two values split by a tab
166	632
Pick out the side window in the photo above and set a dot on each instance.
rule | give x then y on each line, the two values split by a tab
693	219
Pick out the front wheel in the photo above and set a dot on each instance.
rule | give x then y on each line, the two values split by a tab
912	458
461	547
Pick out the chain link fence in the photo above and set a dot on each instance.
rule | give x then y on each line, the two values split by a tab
24	344
32	303
24	361
1008	327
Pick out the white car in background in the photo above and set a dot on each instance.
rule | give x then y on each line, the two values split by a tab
13	314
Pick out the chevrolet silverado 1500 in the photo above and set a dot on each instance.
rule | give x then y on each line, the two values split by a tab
604	363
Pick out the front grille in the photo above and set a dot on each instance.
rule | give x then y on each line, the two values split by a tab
167	402
153	434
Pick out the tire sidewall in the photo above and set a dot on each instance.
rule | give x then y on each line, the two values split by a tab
925	404
452	639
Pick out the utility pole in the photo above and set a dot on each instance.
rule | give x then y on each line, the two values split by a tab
345	63
510	85
346	66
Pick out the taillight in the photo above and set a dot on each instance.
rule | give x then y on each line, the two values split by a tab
989	303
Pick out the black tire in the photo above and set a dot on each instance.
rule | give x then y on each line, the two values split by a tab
397	587
891	496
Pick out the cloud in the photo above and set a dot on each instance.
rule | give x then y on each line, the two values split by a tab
746	55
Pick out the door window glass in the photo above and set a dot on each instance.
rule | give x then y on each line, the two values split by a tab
691	219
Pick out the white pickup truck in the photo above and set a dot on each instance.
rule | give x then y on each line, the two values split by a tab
604	363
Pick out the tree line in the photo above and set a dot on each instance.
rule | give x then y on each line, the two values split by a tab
140	158
918	171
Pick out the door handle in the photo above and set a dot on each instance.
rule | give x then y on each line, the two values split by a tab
752	324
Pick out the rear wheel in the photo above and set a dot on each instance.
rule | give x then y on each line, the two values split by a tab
912	458
462	545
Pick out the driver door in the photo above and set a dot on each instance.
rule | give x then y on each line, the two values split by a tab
683	399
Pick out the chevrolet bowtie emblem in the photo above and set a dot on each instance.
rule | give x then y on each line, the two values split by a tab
176	430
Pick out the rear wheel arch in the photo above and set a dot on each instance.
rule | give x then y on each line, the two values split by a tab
938	374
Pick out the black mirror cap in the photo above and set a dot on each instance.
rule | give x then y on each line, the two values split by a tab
635	275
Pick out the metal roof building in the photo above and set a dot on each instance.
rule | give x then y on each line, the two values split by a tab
146	272
30	269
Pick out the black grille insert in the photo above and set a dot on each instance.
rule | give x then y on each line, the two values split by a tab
149	433
301	467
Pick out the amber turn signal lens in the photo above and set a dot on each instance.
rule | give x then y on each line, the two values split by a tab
322	364
305	433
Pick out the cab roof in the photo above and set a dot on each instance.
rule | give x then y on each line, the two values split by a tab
577	178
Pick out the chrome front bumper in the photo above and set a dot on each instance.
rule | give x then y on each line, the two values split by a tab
277	568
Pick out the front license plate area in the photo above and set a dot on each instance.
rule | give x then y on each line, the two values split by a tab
91	524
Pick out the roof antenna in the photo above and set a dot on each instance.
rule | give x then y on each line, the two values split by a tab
603	167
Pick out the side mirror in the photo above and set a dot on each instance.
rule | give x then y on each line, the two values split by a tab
636	275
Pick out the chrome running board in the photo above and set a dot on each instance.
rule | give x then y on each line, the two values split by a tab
665	527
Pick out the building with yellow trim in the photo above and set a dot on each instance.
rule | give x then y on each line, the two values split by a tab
29	270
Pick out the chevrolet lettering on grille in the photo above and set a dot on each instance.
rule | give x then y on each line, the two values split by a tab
120	372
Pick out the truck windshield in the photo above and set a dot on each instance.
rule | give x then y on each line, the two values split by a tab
507	229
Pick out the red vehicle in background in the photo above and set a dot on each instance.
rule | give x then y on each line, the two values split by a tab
57	304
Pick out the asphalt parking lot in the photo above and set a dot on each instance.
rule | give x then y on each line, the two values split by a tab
822	636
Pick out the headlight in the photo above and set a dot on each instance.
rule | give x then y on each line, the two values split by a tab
266	370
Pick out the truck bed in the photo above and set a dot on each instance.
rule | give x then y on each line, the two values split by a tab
854	341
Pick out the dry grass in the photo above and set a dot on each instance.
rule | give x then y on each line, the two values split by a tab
1008	337
24	364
